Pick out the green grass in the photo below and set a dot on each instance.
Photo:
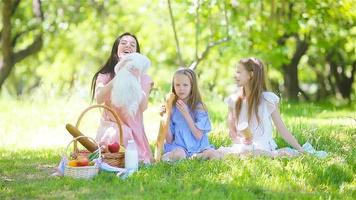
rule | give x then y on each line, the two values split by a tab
32	138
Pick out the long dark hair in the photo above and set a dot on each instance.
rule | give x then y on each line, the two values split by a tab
108	67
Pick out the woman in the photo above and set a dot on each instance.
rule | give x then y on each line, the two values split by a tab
102	84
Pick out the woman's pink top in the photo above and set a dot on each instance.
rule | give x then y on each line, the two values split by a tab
133	127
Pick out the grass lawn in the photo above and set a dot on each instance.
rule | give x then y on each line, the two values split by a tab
33	136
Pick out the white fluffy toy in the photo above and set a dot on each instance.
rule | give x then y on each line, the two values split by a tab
127	91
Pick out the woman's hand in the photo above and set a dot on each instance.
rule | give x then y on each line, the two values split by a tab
135	72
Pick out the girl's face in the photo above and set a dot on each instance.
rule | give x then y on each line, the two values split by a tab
127	45
182	86
242	76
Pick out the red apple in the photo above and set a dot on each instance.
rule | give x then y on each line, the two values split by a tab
82	161
114	147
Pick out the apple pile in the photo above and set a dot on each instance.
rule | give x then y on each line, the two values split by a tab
80	161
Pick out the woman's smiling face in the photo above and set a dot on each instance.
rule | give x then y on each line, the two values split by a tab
127	45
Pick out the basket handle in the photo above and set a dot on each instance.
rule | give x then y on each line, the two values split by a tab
83	136
117	119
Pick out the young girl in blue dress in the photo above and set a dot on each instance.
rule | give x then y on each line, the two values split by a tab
189	125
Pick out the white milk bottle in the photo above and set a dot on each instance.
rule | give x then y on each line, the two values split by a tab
131	156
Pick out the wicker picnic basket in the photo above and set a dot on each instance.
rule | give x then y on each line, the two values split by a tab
85	172
113	159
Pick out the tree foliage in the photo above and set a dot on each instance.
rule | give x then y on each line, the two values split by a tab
308	46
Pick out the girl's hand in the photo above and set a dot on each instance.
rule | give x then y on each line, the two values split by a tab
162	110
247	141
183	108
302	150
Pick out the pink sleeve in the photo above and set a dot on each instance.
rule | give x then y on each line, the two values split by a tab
146	84
103	79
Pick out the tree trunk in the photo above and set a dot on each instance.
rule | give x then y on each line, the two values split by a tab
9	57
338	68
321	80
7	62
321	77
291	81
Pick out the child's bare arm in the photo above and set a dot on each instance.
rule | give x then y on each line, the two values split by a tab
196	132
282	129
185	111
231	120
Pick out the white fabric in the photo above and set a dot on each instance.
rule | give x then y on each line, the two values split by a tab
127	91
262	132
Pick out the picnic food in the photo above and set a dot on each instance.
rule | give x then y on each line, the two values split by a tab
82	161
72	163
163	126
114	147
243	127
84	141
79	165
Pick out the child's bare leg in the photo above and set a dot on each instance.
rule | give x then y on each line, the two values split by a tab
210	154
259	152
284	153
174	155
179	154
256	152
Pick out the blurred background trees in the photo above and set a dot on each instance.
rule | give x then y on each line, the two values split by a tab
54	47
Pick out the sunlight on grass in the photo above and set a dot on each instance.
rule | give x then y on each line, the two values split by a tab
33	136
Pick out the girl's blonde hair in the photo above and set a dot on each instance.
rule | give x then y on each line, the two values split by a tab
257	84
194	97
